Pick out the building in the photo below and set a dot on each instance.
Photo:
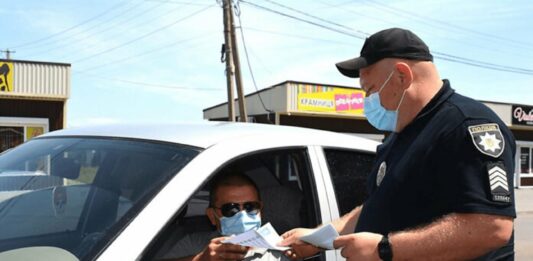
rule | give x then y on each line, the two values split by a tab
33	98
340	108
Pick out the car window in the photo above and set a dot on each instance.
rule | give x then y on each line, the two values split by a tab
77	193
284	178
348	171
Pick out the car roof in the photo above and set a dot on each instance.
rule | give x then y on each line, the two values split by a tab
206	134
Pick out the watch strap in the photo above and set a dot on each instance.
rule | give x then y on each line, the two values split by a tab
385	249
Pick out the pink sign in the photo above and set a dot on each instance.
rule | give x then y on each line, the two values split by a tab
356	101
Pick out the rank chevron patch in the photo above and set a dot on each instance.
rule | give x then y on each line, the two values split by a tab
499	187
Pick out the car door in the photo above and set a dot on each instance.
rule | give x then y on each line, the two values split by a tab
142	237
344	174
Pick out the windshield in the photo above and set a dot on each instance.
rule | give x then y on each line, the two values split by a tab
76	194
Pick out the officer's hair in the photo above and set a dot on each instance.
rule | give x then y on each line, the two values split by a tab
230	177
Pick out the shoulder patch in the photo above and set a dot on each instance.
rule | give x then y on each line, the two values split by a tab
488	139
499	187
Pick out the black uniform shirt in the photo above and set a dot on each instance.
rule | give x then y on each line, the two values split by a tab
456	156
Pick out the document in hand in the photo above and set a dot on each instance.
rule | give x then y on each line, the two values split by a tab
264	237
322	237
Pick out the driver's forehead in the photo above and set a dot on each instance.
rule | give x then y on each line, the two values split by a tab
235	193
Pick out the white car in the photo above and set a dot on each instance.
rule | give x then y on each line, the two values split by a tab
127	192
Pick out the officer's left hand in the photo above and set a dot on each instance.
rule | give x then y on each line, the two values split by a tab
359	246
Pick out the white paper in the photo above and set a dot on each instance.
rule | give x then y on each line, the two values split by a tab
322	237
264	237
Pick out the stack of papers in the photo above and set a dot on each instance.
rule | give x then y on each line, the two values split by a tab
264	237
322	237
267	237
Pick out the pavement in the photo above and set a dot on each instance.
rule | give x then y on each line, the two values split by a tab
524	200
523	224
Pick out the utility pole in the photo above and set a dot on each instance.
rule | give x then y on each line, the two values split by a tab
226	48
8	53
231	44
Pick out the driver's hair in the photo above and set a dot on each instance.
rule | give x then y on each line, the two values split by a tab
229	177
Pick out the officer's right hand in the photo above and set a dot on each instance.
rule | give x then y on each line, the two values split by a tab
302	249
216	250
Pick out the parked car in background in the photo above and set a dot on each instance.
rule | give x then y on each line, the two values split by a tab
127	192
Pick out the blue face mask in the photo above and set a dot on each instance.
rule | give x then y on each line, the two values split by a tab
377	115
239	223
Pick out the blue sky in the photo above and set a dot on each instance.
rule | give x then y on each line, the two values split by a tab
159	60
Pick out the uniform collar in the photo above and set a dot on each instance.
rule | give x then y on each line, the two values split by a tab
442	95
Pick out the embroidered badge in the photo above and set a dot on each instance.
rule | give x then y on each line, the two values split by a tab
488	139
499	186
381	173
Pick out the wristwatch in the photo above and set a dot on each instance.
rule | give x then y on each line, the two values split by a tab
385	249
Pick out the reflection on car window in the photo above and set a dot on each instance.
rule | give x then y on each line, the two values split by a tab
348	171
76	193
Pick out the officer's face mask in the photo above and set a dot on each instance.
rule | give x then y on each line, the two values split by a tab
377	115
239	223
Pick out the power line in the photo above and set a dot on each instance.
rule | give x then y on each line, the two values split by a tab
74	26
316	17
443	56
450	25
70	40
143	36
250	69
181	41
164	86
302	20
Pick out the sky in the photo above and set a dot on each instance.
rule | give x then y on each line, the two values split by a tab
160	61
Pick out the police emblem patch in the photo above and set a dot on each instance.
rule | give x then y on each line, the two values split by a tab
499	187
381	173
488	139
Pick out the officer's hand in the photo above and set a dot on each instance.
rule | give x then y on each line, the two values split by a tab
359	246
299	249
216	250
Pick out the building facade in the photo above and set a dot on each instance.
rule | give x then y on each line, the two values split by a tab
33	98
340	109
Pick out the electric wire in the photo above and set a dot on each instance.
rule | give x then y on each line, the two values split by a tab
302	20
250	69
72	27
439	55
143	36
164	86
72	41
457	27
147	52
318	18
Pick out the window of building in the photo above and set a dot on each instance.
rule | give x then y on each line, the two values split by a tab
526	160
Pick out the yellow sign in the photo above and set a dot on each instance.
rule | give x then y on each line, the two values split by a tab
6	77
33	132
319	98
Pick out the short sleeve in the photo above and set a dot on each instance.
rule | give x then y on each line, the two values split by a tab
477	176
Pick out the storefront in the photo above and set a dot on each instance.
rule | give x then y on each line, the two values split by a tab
340	109
522	119
33	99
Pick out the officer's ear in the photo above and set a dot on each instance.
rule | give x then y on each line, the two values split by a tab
405	74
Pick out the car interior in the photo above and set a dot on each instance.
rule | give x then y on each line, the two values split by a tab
283	178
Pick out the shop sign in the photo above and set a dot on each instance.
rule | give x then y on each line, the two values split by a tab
522	115
6	77
318	98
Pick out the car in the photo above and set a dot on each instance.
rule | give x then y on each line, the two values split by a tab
128	191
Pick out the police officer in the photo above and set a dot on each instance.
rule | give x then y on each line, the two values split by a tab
441	187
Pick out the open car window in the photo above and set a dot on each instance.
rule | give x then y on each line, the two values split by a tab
285	181
77	193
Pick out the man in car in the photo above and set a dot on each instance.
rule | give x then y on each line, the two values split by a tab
441	187
234	207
